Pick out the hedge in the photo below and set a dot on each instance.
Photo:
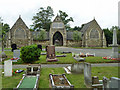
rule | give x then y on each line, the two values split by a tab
30	53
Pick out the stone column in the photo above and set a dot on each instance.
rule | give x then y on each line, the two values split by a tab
115	45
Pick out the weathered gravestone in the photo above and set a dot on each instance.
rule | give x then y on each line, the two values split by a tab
51	54
16	53
8	68
87	74
112	84
77	68
13	46
3	56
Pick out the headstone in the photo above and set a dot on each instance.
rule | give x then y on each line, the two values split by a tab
51	53
40	46
16	53
77	68
8	68
95	80
115	45
105	83
114	83
87	74
3	55
13	46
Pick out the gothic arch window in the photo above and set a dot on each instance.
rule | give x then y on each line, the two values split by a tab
94	34
20	33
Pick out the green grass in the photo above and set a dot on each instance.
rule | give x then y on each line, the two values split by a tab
75	79
12	82
62	60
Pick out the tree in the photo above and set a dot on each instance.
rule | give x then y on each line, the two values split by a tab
108	35
42	20
42	35
65	19
77	36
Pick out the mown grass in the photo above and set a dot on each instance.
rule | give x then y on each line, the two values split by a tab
75	79
62	60
12	82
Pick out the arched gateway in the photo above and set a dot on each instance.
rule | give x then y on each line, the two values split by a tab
57	33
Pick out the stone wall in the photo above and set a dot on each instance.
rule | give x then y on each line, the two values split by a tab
74	43
44	43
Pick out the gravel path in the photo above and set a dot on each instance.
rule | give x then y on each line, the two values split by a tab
63	65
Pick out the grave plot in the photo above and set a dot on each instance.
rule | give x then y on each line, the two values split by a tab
31	78
51	57
59	81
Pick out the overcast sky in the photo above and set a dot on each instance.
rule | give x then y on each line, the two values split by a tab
82	11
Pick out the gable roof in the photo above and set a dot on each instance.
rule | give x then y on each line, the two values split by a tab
87	25
57	19
21	23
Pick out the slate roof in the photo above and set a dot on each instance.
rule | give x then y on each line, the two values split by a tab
86	26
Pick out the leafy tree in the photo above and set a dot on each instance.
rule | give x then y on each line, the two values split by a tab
43	19
108	35
42	35
77	36
77	28
65	19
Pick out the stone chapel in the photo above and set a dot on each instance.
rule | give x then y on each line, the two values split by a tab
92	35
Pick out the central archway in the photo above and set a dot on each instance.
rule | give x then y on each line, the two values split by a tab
58	39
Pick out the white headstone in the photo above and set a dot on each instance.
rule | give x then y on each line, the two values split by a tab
8	68
16	53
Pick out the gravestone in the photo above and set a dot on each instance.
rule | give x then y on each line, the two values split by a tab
115	45
77	68
51	54
13	46
3	56
87	74
39	46
8	68
114	83
16	53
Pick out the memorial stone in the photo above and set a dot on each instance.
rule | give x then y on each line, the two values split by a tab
87	75
8	68
115	45
16	53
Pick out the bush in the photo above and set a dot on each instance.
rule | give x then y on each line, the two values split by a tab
30	53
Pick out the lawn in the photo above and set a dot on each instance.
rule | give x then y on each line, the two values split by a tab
62	60
76	79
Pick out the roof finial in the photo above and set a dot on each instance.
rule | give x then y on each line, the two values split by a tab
19	16
94	18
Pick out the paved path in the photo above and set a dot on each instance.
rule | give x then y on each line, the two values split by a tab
63	65
98	52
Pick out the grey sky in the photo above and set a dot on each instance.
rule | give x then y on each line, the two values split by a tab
82	11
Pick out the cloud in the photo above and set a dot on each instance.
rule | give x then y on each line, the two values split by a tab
82	11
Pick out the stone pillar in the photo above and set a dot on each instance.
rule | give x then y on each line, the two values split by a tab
8	68
104	40
115	45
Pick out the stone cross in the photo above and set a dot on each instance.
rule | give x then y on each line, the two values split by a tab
8	68
115	45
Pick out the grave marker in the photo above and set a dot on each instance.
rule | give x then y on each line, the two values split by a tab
16	53
8	68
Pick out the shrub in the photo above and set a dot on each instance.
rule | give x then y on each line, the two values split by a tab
30	53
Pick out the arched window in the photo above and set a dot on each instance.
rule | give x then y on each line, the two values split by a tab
20	33
94	34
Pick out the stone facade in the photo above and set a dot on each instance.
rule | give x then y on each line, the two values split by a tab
19	34
92	35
